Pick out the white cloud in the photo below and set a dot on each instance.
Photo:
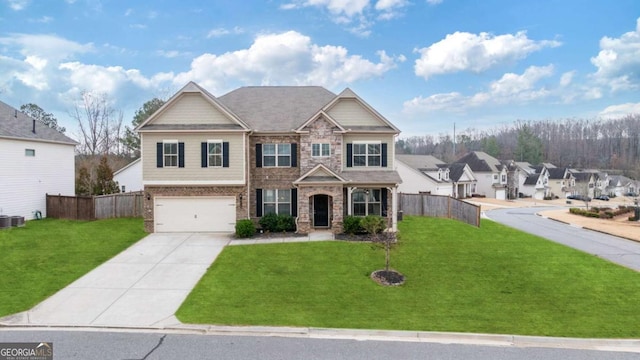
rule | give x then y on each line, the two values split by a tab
286	58
171	54
42	20
434	2
509	89
128	12
621	110
219	32
567	78
18	5
463	51
47	46
618	61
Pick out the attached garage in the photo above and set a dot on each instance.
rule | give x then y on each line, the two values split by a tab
195	214
501	194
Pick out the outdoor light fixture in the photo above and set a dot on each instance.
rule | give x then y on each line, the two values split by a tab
148	196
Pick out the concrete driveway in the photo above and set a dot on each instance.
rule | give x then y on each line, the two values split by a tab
142	286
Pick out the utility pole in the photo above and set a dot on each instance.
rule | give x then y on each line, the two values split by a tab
454	140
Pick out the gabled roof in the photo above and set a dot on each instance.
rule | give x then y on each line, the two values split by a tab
318	115
619	179
320	174
421	162
456	170
17	125
557	173
582	176
276	108
479	161
532	179
129	165
190	88
349	94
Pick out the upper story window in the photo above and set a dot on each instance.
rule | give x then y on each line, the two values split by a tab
439	174
170	151
276	155
446	174
30	152
367	154
320	150
215	153
495	177
504	178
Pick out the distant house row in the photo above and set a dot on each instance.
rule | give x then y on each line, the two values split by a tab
478	173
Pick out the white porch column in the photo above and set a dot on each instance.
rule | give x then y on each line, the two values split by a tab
349	207
394	209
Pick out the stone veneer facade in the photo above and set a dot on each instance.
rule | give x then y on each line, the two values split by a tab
151	191
336	206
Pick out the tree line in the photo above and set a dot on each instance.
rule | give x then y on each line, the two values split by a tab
104	143
612	145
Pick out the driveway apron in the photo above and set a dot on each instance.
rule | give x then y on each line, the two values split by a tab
142	286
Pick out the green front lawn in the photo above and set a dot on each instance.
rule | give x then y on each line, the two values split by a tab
47	255
492	279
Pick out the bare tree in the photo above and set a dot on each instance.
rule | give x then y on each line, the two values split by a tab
95	119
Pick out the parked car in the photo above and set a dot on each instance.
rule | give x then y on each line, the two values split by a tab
579	197
603	197
632	194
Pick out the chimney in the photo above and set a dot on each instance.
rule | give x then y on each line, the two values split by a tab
34	126
15	115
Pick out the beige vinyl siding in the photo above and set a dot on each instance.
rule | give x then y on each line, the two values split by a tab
381	138
349	112
192	109
193	170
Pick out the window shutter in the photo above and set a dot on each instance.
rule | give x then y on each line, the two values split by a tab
181	154
383	201
204	154
159	160
259	155
384	155
294	155
225	154
349	155
294	202
259	202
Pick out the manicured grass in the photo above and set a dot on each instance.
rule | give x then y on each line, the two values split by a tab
491	279
47	255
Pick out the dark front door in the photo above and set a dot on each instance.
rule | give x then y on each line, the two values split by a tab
321	211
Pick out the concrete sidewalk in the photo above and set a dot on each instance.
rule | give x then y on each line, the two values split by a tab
143	286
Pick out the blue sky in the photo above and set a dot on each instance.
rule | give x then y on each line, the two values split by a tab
424	64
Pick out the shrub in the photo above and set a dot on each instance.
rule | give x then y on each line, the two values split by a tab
277	223
632	218
373	224
352	225
245	228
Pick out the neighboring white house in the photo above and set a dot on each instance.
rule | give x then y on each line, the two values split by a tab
129	178
533	181
36	160
619	185
423	174
490	174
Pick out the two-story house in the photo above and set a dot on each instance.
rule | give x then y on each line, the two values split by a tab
423	174
304	151
533	180
490	174
561	182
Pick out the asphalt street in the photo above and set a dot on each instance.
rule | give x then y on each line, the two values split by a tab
621	251
88	345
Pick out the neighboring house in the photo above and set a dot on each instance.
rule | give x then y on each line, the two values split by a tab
620	185
533	181
423	174
208	161
129	178
561	182
585	182
464	182
36	160
490	174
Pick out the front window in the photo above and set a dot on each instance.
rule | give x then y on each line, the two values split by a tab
366	202
170	151
277	201
367	154
504	178
29	152
446	174
320	150
215	154
276	155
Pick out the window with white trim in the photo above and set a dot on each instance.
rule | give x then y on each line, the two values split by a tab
366	202
170	153
367	154
276	155
446	174
276	201
320	150
214	153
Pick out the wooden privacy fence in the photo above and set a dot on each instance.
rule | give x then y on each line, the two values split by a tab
439	206
95	207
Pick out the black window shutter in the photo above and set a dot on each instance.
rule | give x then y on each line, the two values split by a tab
349	155
383	201
294	155
258	202
225	154
294	202
204	154
159	160
181	154
259	155
384	155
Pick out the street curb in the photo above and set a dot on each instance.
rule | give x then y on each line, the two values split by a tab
588	228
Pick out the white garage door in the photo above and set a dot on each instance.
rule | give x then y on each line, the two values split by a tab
195	214
501	194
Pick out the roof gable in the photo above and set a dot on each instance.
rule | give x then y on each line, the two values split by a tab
480	161
353	113
321	115
320	174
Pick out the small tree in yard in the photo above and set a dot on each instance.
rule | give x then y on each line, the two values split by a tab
375	226
104	179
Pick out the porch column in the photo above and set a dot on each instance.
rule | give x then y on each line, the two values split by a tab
349	191
394	209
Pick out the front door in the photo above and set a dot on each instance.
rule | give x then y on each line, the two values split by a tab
321	211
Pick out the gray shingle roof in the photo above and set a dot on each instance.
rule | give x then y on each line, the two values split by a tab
276	108
480	161
14	124
456	170
372	177
421	162
556	173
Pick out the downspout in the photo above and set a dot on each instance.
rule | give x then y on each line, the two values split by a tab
247	160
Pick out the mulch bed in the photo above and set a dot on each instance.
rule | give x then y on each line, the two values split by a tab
388	278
